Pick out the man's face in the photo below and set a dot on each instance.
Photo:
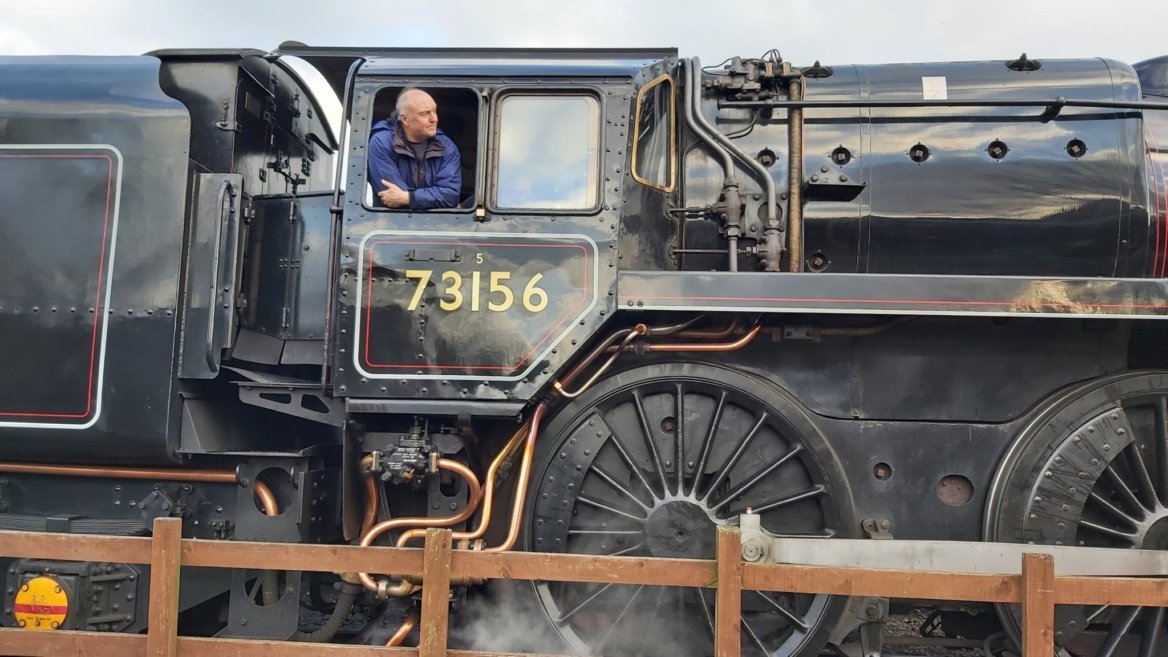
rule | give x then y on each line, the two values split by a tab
420	120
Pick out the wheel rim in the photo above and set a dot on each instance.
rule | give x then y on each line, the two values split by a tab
609	484
1091	469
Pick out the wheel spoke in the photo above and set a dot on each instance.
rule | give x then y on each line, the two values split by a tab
619	488
656	606
708	443
624	454
1136	460
817	489
1153	630
739	450
753	481
757	641
1119	627
1160	429
628	550
604	507
649	442
792	618
1115	511
584	603
706	612
1095	614
1123	536
604	532
619	617
1125	491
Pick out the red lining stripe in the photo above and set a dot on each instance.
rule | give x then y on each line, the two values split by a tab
99	312
559	321
1052	304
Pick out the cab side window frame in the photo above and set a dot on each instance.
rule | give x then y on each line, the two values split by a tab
656	86
477	133
593	156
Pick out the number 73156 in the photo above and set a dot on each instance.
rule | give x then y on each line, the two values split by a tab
497	294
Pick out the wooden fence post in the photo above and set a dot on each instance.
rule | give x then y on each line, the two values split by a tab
728	601
435	593
1037	605
165	555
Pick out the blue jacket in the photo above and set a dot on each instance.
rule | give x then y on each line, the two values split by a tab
436	184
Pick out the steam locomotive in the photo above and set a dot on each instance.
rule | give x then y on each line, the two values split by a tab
913	301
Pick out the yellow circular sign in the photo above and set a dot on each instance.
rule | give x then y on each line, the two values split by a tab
41	604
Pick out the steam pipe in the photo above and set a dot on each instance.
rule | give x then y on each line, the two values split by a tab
212	476
521	483
416	521
706	347
402	632
772	233
269	580
730	184
692	94
795	178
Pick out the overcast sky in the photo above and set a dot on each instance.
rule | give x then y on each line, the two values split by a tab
834	31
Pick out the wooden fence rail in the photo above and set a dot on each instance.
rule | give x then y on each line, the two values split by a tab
1037	589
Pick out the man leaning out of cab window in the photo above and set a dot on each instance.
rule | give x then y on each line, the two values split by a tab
412	163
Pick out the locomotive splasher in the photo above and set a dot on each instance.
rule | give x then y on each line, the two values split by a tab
860	301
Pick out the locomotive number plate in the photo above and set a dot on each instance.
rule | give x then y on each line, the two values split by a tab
482	306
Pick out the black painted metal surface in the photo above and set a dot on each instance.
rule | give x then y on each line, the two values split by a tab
93	226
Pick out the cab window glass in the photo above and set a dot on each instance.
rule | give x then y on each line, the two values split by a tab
653	161
548	153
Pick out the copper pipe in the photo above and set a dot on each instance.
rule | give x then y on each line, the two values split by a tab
607	345
488	495
638	331
380	528
372	500
707	346
372	493
717	334
216	476
402	632
521	484
670	330
267	498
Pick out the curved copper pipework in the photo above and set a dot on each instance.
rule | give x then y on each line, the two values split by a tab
372	499
267	498
402	632
521	483
656	331
215	476
638	331
380	528
488	495
715	334
708	346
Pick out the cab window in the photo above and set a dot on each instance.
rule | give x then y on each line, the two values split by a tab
548	152
653	137
458	119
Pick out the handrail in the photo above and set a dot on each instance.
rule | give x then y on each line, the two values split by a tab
1036	589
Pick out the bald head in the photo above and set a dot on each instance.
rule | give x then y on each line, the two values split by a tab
418	114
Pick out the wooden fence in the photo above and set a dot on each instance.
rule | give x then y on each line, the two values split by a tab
1036	589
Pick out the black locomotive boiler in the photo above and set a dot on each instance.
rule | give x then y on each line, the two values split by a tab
917	301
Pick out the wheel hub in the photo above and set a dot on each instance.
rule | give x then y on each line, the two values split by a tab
1157	536
680	530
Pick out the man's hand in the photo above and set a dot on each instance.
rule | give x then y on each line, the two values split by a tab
393	196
